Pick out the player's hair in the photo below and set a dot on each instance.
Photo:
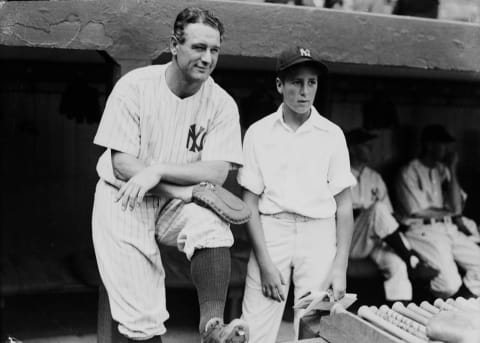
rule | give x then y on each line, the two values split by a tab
192	15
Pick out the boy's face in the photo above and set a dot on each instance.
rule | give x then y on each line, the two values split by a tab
299	88
197	56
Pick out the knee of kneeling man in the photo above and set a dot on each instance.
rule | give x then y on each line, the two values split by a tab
379	208
198	212
397	266
448	287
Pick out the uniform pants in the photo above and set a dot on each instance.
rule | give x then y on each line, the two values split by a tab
129	259
371	226
303	250
444	247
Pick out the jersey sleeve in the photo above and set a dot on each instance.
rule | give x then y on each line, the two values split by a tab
223	139
446	177
383	194
119	128
411	197
250	176
339	174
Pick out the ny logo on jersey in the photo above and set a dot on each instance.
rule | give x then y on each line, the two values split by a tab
305	52
196	138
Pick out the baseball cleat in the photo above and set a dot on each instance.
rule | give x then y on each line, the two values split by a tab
218	332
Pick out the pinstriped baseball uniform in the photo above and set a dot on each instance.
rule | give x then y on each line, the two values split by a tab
374	223
144	118
441	244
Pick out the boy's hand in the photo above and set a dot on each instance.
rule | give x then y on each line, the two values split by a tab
338	283
272	282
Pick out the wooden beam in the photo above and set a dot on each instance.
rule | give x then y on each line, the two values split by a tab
132	30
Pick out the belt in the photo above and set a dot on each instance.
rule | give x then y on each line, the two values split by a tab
431	221
288	216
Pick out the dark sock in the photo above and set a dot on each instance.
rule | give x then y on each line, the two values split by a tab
395	241
210	270
154	339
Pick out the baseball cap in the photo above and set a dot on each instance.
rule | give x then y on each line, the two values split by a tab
295	55
436	133
358	136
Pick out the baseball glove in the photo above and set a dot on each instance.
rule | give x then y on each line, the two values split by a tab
423	271
226	205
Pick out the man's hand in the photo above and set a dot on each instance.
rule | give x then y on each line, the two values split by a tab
131	194
421	270
338	282
272	282
451	160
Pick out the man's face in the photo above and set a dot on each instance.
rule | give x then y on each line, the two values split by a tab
439	151
198	55
299	88
362	152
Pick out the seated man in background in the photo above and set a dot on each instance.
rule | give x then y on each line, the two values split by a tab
376	233
431	203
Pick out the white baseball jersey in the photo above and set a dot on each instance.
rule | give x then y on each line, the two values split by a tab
441	244
370	188
370	229
296	171
374	223
420	187
144	118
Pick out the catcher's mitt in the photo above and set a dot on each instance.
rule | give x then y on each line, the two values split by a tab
226	205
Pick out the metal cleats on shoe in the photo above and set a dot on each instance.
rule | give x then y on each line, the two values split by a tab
216	331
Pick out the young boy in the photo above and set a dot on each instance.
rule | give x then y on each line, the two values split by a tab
296	179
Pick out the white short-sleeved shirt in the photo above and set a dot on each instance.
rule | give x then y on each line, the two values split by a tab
420	187
296	171
144	118
369	189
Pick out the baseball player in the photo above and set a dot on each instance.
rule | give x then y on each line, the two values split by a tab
166	129
376	234
431	202
296	179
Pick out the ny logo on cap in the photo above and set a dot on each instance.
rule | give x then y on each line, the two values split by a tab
305	52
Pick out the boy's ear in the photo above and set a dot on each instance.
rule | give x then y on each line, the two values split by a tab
279	84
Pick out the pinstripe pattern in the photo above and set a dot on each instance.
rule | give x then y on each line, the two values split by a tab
375	220
118	238
374	223
371	226
145	119
441	244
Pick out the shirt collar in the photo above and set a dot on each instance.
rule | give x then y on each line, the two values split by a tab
357	172
314	121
